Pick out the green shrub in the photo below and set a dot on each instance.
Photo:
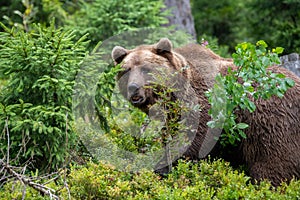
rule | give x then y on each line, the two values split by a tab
22	13
35	110
15	190
104	19
203	180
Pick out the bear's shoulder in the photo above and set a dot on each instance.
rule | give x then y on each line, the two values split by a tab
193	51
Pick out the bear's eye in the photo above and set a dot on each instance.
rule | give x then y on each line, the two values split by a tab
145	70
124	71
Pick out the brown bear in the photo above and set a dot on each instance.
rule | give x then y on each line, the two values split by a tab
271	149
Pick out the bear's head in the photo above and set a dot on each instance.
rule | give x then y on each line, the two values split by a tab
140	65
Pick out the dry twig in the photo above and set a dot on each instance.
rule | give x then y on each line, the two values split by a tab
26	181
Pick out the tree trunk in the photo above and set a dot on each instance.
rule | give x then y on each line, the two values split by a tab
181	15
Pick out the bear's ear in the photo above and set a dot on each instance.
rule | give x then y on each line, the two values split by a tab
163	46
118	54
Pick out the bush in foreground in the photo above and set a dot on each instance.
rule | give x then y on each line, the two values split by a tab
203	180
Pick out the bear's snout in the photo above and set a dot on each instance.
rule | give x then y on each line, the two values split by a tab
135	94
133	88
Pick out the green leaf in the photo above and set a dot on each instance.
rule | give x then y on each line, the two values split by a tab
252	106
242	125
278	50
290	82
211	124
242	133
262	43
279	94
280	75
266	62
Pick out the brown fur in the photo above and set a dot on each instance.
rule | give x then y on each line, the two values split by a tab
272	147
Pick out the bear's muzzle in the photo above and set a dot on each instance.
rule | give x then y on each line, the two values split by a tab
135	94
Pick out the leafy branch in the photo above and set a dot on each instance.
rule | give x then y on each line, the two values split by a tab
242	85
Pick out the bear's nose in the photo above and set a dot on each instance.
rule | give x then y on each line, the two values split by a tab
132	88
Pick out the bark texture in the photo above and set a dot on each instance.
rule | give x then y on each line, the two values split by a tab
181	15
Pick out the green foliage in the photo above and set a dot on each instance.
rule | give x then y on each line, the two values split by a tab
113	108
170	107
236	21
220	19
21	13
104	19
9	12
14	190
276	22
203	180
40	68
104	92
239	87
100	19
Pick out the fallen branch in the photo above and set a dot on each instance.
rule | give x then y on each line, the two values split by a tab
26	181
